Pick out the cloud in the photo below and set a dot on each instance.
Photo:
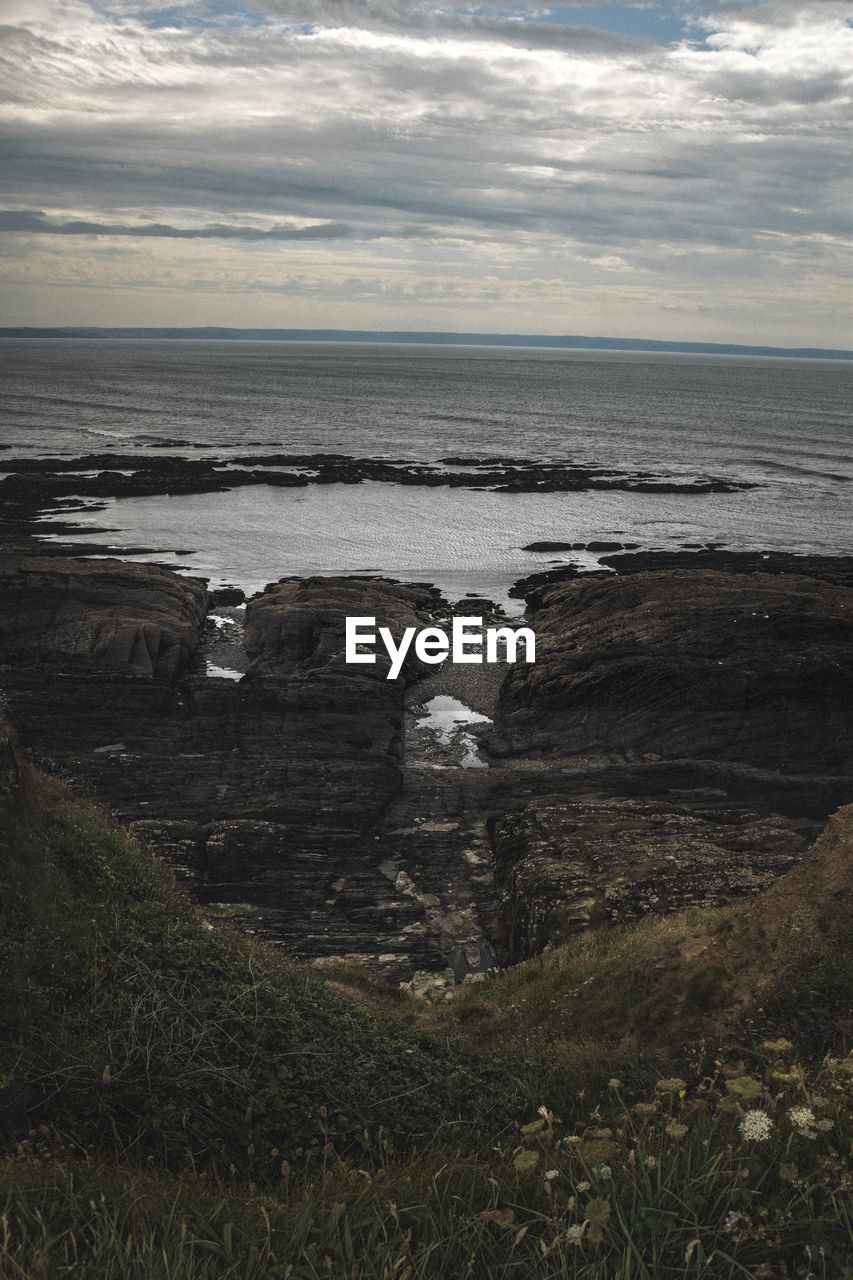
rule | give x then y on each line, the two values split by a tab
33	221
425	142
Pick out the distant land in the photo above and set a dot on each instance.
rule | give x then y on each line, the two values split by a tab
574	341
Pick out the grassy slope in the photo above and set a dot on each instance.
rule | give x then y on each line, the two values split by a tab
126	1014
177	1103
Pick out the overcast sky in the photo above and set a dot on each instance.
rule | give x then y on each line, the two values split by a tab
658	168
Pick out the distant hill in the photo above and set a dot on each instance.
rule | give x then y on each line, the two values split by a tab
574	341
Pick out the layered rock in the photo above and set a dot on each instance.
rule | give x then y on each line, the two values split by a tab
751	668
784	927
677	740
694	726
133	618
298	624
566	866
266	793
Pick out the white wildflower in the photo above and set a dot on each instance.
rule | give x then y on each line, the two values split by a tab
651	1162
803	1120
602	1171
551	1174
574	1234
756	1126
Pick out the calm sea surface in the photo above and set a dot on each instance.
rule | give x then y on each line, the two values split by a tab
783	423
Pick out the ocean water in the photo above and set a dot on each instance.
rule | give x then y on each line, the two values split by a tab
783	424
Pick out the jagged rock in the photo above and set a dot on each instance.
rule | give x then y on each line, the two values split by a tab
287	801
566	866
752	668
105	613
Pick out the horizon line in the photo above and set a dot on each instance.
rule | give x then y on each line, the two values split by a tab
424	337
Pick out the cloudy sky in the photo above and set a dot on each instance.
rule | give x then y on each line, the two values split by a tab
653	168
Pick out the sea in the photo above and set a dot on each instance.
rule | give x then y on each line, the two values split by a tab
782	424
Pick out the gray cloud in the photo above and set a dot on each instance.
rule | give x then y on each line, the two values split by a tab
34	221
417	148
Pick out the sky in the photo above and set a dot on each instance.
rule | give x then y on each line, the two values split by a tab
665	169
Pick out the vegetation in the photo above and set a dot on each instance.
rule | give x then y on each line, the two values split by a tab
178	1104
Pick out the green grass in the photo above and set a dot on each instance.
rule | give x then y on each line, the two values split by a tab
585	988
177	1104
129	1019
669	1189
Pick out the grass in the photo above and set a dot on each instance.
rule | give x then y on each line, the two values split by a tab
668	1188
585	988
132	1020
178	1103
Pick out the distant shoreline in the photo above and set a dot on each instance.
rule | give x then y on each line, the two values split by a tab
575	342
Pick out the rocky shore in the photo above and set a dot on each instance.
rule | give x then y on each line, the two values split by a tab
681	739
33	487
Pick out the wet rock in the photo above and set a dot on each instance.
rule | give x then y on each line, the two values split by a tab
835	569
230	596
580	546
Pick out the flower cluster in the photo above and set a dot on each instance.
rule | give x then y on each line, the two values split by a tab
803	1120
756	1126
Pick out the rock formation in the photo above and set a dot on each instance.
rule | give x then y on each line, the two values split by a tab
680	739
136	619
753	668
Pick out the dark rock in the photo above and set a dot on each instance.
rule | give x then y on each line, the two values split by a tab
656	723
751	668
553	546
36	484
565	866
836	569
105	613
580	546
264	794
298	624
228	596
